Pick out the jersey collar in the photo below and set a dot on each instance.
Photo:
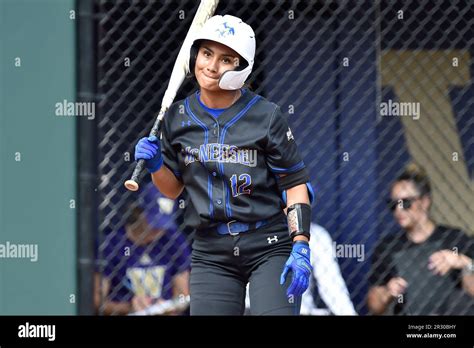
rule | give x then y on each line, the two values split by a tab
227	115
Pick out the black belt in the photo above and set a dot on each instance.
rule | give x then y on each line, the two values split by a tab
235	227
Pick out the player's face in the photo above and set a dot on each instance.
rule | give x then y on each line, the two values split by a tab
212	61
407	205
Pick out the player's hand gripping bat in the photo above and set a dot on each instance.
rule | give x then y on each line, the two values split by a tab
181	67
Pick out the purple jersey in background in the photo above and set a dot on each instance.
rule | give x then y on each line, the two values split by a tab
144	270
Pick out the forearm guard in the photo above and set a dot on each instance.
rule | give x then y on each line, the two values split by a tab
299	220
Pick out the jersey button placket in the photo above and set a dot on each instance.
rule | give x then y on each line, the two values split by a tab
220	201
216	171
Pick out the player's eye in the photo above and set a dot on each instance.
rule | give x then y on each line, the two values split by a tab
206	54
226	60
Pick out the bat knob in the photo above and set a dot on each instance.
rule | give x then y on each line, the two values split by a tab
131	185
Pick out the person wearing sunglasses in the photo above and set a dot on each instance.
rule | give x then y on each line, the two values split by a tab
426	268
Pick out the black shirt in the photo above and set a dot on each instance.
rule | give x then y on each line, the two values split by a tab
427	293
229	164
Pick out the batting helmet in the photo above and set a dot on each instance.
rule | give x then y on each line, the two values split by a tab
233	33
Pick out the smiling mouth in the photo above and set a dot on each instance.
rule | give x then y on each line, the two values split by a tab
209	77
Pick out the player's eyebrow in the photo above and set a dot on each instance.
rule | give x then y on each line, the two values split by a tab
222	55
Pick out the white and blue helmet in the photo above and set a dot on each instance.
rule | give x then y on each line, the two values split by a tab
234	33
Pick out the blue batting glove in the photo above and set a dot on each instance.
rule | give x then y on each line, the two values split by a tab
300	265
149	149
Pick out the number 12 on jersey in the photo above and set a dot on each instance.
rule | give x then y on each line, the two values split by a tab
240	187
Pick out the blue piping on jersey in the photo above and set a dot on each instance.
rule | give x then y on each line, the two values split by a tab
221	141
310	192
295	168
197	120
209	193
206	139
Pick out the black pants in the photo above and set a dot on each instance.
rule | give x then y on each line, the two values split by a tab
222	265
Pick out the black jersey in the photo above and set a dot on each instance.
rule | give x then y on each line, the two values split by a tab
397	256
229	164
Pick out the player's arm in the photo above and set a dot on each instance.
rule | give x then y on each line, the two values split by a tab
298	195
167	183
284	161
298	210
149	149
101	291
181	284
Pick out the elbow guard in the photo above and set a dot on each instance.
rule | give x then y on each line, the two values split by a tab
294	179
299	220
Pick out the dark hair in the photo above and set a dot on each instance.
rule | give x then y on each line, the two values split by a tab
417	175
134	214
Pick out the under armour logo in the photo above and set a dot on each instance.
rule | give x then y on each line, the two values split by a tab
185	123
304	251
273	239
289	135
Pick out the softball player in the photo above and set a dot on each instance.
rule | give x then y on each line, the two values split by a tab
234	154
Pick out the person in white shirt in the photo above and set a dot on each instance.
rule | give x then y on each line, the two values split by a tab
326	276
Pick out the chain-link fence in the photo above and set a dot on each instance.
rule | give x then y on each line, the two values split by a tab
368	86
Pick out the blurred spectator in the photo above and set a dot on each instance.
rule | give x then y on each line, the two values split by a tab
327	293
145	262
426	268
